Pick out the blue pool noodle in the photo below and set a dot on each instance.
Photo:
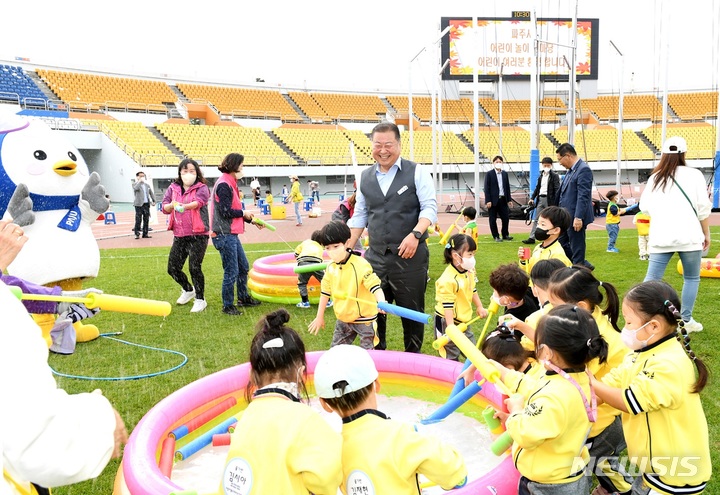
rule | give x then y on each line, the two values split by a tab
205	439
405	313
453	403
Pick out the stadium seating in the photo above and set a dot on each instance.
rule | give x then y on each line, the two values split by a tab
454	150
600	144
515	143
209	144
700	137
453	111
694	106
316	145
243	102
89	92
635	107
351	107
16	85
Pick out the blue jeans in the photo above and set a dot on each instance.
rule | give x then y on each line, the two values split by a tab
235	265
613	229
691	276
297	212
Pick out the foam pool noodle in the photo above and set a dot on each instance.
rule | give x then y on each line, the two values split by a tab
486	369
106	302
314	267
263	223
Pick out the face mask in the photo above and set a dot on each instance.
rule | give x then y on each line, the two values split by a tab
188	179
541	234
467	263
547	169
338	255
629	338
498	166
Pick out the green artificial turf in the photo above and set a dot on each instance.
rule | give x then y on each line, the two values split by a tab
213	341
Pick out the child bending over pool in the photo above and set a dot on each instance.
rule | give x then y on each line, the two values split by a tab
549	426
280	445
379	455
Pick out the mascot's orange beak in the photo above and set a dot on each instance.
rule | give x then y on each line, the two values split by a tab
66	168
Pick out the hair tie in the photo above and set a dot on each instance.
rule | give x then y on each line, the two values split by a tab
276	342
588	342
447	246
600	282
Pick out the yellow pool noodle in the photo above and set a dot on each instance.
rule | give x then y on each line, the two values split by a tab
486	369
109	302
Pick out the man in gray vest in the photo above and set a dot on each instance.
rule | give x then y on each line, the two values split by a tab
396	202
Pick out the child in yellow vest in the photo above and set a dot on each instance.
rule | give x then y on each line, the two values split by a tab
550	425
612	221
280	444
269	198
379	455
642	222
658	393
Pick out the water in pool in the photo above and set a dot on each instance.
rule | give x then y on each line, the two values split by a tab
202	471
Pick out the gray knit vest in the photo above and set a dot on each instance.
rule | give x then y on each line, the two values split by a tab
391	217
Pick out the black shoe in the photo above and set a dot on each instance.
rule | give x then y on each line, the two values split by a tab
137	236
150	229
232	310
507	238
147	237
497	239
589	265
248	301
529	240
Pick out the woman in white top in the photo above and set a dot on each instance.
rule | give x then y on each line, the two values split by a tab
676	198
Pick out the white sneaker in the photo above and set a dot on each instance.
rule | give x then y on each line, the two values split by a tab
198	305
186	297
693	326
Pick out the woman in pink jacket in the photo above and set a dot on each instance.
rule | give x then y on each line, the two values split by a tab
186	201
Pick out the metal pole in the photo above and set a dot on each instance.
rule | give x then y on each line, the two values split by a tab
476	118
620	118
571	96
665	25
500	105
716	168
534	126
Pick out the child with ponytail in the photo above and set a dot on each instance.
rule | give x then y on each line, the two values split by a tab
577	285
657	391
549	427
280	445
456	290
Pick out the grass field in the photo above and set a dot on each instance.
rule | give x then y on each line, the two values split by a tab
213	341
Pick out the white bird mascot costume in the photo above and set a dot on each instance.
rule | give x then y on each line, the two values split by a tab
46	188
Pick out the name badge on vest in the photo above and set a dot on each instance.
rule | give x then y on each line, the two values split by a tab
71	220
402	190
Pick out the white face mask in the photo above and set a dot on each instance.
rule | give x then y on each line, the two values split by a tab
188	179
467	263
498	165
338	255
547	169
629	338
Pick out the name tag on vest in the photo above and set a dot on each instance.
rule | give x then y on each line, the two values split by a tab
71	220
402	190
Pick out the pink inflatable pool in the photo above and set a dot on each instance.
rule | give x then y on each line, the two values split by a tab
139	473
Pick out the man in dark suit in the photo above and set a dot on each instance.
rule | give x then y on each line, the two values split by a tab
576	198
497	196
545	194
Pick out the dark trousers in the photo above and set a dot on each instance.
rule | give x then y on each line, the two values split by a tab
404	282
142	216
193	247
304	278
574	245
500	209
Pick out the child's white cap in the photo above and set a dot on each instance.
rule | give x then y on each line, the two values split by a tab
343	363
675	144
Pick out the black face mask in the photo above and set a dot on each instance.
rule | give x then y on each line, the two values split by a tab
541	234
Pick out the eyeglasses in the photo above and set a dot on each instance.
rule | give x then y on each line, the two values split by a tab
387	146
